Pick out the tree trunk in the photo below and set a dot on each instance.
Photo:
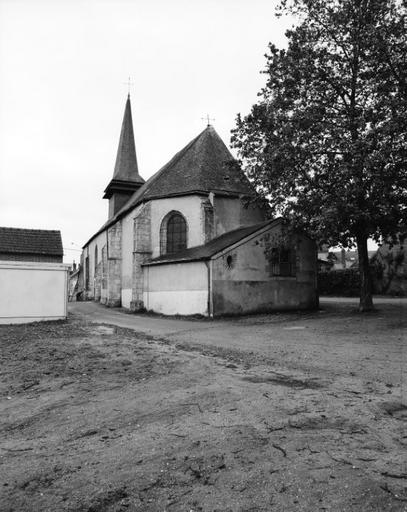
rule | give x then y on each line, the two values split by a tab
366	300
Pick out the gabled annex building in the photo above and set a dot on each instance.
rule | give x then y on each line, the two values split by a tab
189	241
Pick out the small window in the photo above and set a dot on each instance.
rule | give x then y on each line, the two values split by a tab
282	262
229	261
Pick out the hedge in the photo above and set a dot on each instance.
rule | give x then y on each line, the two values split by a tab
344	283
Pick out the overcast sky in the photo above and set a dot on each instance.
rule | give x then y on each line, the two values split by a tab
63	65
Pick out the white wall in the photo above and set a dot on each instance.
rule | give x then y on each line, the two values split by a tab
190	207
177	288
30	292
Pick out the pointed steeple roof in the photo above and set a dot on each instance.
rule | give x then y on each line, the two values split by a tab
126	178
126	168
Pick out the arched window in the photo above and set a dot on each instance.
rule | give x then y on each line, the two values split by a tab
173	233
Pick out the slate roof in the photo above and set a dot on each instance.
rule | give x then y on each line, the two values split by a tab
218	244
31	241
202	166
126	168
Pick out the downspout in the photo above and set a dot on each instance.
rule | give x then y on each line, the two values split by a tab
147	306
210	288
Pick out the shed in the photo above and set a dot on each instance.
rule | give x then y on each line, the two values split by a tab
33	279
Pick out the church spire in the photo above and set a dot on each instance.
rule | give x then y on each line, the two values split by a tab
126	178
126	167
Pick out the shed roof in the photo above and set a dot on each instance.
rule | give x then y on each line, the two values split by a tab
214	246
31	241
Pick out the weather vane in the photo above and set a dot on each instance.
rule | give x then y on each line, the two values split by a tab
129	83
208	119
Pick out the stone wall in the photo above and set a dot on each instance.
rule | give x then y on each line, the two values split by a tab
141	253
114	265
103	277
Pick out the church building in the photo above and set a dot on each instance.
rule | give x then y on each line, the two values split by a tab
191	241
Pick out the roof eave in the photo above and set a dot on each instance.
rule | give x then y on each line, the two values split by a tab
176	260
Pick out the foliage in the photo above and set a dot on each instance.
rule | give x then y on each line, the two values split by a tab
326	142
342	283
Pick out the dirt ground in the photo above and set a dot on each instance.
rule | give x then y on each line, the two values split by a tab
283	412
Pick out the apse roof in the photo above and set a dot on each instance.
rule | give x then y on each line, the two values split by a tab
204	165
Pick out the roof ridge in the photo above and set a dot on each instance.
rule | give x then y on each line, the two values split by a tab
31	229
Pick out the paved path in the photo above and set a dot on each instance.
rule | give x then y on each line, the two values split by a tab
335	336
167	326
153	325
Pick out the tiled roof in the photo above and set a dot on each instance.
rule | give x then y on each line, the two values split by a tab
218	244
202	166
30	241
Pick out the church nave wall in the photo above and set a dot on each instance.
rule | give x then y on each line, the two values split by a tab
189	207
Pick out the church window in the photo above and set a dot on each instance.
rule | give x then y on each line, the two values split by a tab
173	233
87	273
96	257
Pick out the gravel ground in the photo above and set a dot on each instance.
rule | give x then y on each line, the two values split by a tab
102	418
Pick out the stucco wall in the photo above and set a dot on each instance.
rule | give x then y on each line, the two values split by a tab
243	283
31	292
180	288
232	213
190	207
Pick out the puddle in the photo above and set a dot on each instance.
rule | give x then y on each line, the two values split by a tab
103	329
284	380
396	410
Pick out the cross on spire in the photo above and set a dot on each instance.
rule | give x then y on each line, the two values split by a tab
208	119
129	83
